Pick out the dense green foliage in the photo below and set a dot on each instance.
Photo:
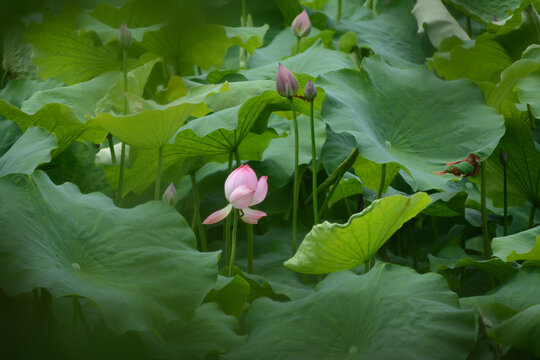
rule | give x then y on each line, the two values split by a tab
403	258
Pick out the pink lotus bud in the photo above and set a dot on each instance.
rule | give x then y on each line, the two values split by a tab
242	189
286	83
503	157
169	196
301	26
310	92
124	36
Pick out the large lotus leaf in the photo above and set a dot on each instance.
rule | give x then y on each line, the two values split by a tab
248	38
139	265
31	149
17	91
134	13
192	43
149	128
521	331
389	313
485	10
114	98
433	17
528	88
81	97
454	257
315	61
209	330
9	133
518	293
395	120
334	247
523	169
392	33
62	52
57	118
349	185
520	246
231	293
370	173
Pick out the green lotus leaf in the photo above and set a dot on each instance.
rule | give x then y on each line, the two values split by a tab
209	330
248	38
521	246
231	293
454	257
433	17
370	173
388	313
522	331
30	150
17	91
349	185
523	169
60	51
149	128
518	293
485	10
421	128
392	32
447	204
57	118
334	247
9	133
81	97
139	266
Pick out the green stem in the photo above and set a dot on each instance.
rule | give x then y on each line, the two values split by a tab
328	197
111	148
532	119
295	184
383	179
123	150
469	27
197	213
233	246
237	158
485	232
338	10
74	315
531	216
314	164
244	14
157	188
249	228
228	223
505	200
297	45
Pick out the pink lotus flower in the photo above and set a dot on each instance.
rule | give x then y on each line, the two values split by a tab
301	26
286	83
242	190
169	196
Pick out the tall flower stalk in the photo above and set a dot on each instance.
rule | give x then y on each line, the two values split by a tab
300	27
287	86
125	40
310	93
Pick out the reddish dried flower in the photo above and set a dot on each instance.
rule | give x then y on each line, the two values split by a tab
470	166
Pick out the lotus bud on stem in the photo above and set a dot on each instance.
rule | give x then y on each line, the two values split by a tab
301	27
287	86
310	93
169	196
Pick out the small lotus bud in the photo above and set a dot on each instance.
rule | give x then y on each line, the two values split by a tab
503	157
310	92
286	83
124	36
169	196
301	26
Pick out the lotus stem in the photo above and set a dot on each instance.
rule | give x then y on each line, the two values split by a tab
233	245
74	315
531	216
297	45
469	27
329	196
157	188
111	148
483	190
383	179
123	149
197	213
295	184
314	164
338	10
505	200
249	229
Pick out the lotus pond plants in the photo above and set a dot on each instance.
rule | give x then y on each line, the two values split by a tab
281	179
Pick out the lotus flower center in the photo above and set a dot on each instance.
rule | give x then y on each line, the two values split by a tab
353	349
76	266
